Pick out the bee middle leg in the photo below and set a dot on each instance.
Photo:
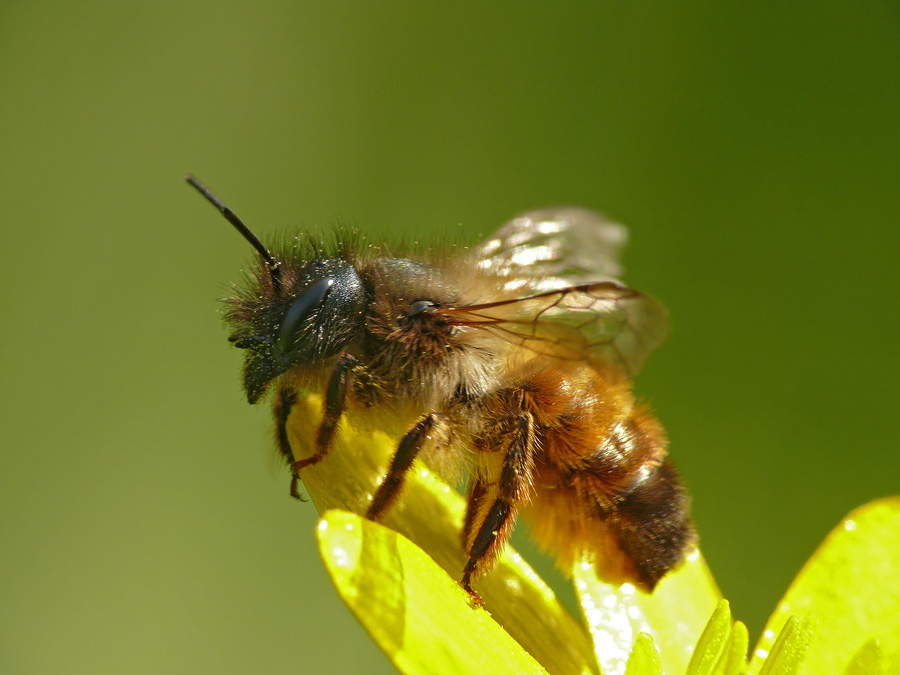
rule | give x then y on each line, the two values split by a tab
498	519
407	450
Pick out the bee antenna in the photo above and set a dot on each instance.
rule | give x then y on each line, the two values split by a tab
273	265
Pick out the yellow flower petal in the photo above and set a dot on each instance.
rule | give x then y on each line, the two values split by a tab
849	591
419	616
674	615
429	513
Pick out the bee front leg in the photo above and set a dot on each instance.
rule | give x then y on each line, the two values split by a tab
285	400
409	447
332	410
496	524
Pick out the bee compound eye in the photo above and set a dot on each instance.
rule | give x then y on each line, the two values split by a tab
306	302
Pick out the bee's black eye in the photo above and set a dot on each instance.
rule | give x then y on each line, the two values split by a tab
418	307
308	300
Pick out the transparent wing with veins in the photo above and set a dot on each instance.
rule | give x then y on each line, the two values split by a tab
561	264
554	248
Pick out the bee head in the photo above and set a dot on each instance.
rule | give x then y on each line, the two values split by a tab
290	315
318	311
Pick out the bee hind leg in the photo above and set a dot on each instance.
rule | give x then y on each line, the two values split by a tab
432	424
478	491
497	523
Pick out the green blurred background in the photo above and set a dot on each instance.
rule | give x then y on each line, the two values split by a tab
752	151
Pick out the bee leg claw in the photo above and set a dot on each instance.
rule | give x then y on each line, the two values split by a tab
466	583
295	475
374	516
295	488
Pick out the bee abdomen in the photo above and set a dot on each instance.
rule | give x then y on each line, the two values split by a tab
652	523
623	506
644	501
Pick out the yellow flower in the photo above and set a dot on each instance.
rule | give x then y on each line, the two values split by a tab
841	614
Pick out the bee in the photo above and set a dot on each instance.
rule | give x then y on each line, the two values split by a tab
513	360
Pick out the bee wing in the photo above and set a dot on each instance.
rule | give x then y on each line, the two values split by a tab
564	262
553	248
603	322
